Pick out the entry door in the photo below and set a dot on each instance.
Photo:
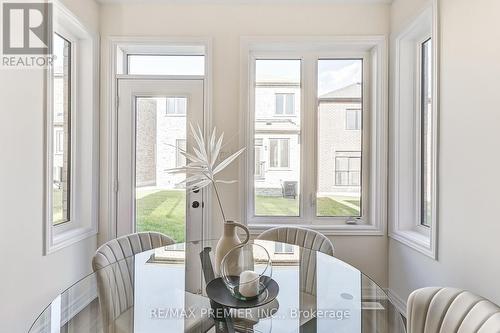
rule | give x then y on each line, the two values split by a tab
153	121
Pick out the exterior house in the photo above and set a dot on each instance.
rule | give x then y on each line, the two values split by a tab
277	140
161	130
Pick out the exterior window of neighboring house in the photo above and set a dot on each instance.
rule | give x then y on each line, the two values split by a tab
285	104
352	119
279	153
347	170
176	106
180	160
259	163
59	134
283	248
62	114
426	133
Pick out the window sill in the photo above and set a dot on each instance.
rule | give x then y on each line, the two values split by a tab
327	230
64	238
415	239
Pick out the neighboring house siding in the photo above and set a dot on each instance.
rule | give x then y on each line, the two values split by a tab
334	138
145	168
156	139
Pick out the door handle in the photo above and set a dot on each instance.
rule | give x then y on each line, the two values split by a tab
195	204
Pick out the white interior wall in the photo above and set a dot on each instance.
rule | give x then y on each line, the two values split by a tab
226	23
29	280
468	251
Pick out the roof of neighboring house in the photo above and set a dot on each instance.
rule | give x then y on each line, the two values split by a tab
352	91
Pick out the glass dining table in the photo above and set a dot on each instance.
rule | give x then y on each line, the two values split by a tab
163	290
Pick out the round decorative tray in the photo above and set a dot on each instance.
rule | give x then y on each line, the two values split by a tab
218	292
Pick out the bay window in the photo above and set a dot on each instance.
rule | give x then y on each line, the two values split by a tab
319	168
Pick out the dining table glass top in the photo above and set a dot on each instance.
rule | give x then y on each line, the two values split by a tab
163	290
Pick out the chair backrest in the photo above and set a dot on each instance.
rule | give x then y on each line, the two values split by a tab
450	310
305	238
113	263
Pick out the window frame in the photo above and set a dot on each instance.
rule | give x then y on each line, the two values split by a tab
84	163
298	48
406	199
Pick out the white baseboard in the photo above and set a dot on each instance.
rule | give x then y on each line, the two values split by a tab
397	301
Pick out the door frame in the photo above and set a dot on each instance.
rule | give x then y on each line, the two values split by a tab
109	205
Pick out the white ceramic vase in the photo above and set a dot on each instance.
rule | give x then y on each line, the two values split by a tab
228	241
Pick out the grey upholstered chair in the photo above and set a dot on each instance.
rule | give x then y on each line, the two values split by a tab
308	239
449	310
303	237
113	263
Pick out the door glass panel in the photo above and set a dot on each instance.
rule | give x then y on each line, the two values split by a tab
340	105
277	137
160	204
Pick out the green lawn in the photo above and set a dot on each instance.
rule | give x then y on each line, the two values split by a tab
57	210
272	206
164	211
331	207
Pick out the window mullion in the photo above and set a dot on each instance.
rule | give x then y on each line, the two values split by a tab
309	138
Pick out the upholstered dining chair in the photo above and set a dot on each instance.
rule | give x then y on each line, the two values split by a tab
113	263
303	237
449	310
306	238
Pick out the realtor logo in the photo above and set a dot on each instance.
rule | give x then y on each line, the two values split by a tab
27	28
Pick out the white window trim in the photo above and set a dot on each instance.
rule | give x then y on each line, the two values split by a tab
290	47
118	49
405	223
84	92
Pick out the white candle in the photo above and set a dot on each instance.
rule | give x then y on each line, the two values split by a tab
249	284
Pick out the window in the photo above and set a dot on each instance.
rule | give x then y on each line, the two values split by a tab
147	64
62	129
320	162
347	171
180	160
71	134
259	171
59	135
276	189
425	133
413	189
283	248
339	195
352	119
176	106
279	152
285	104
